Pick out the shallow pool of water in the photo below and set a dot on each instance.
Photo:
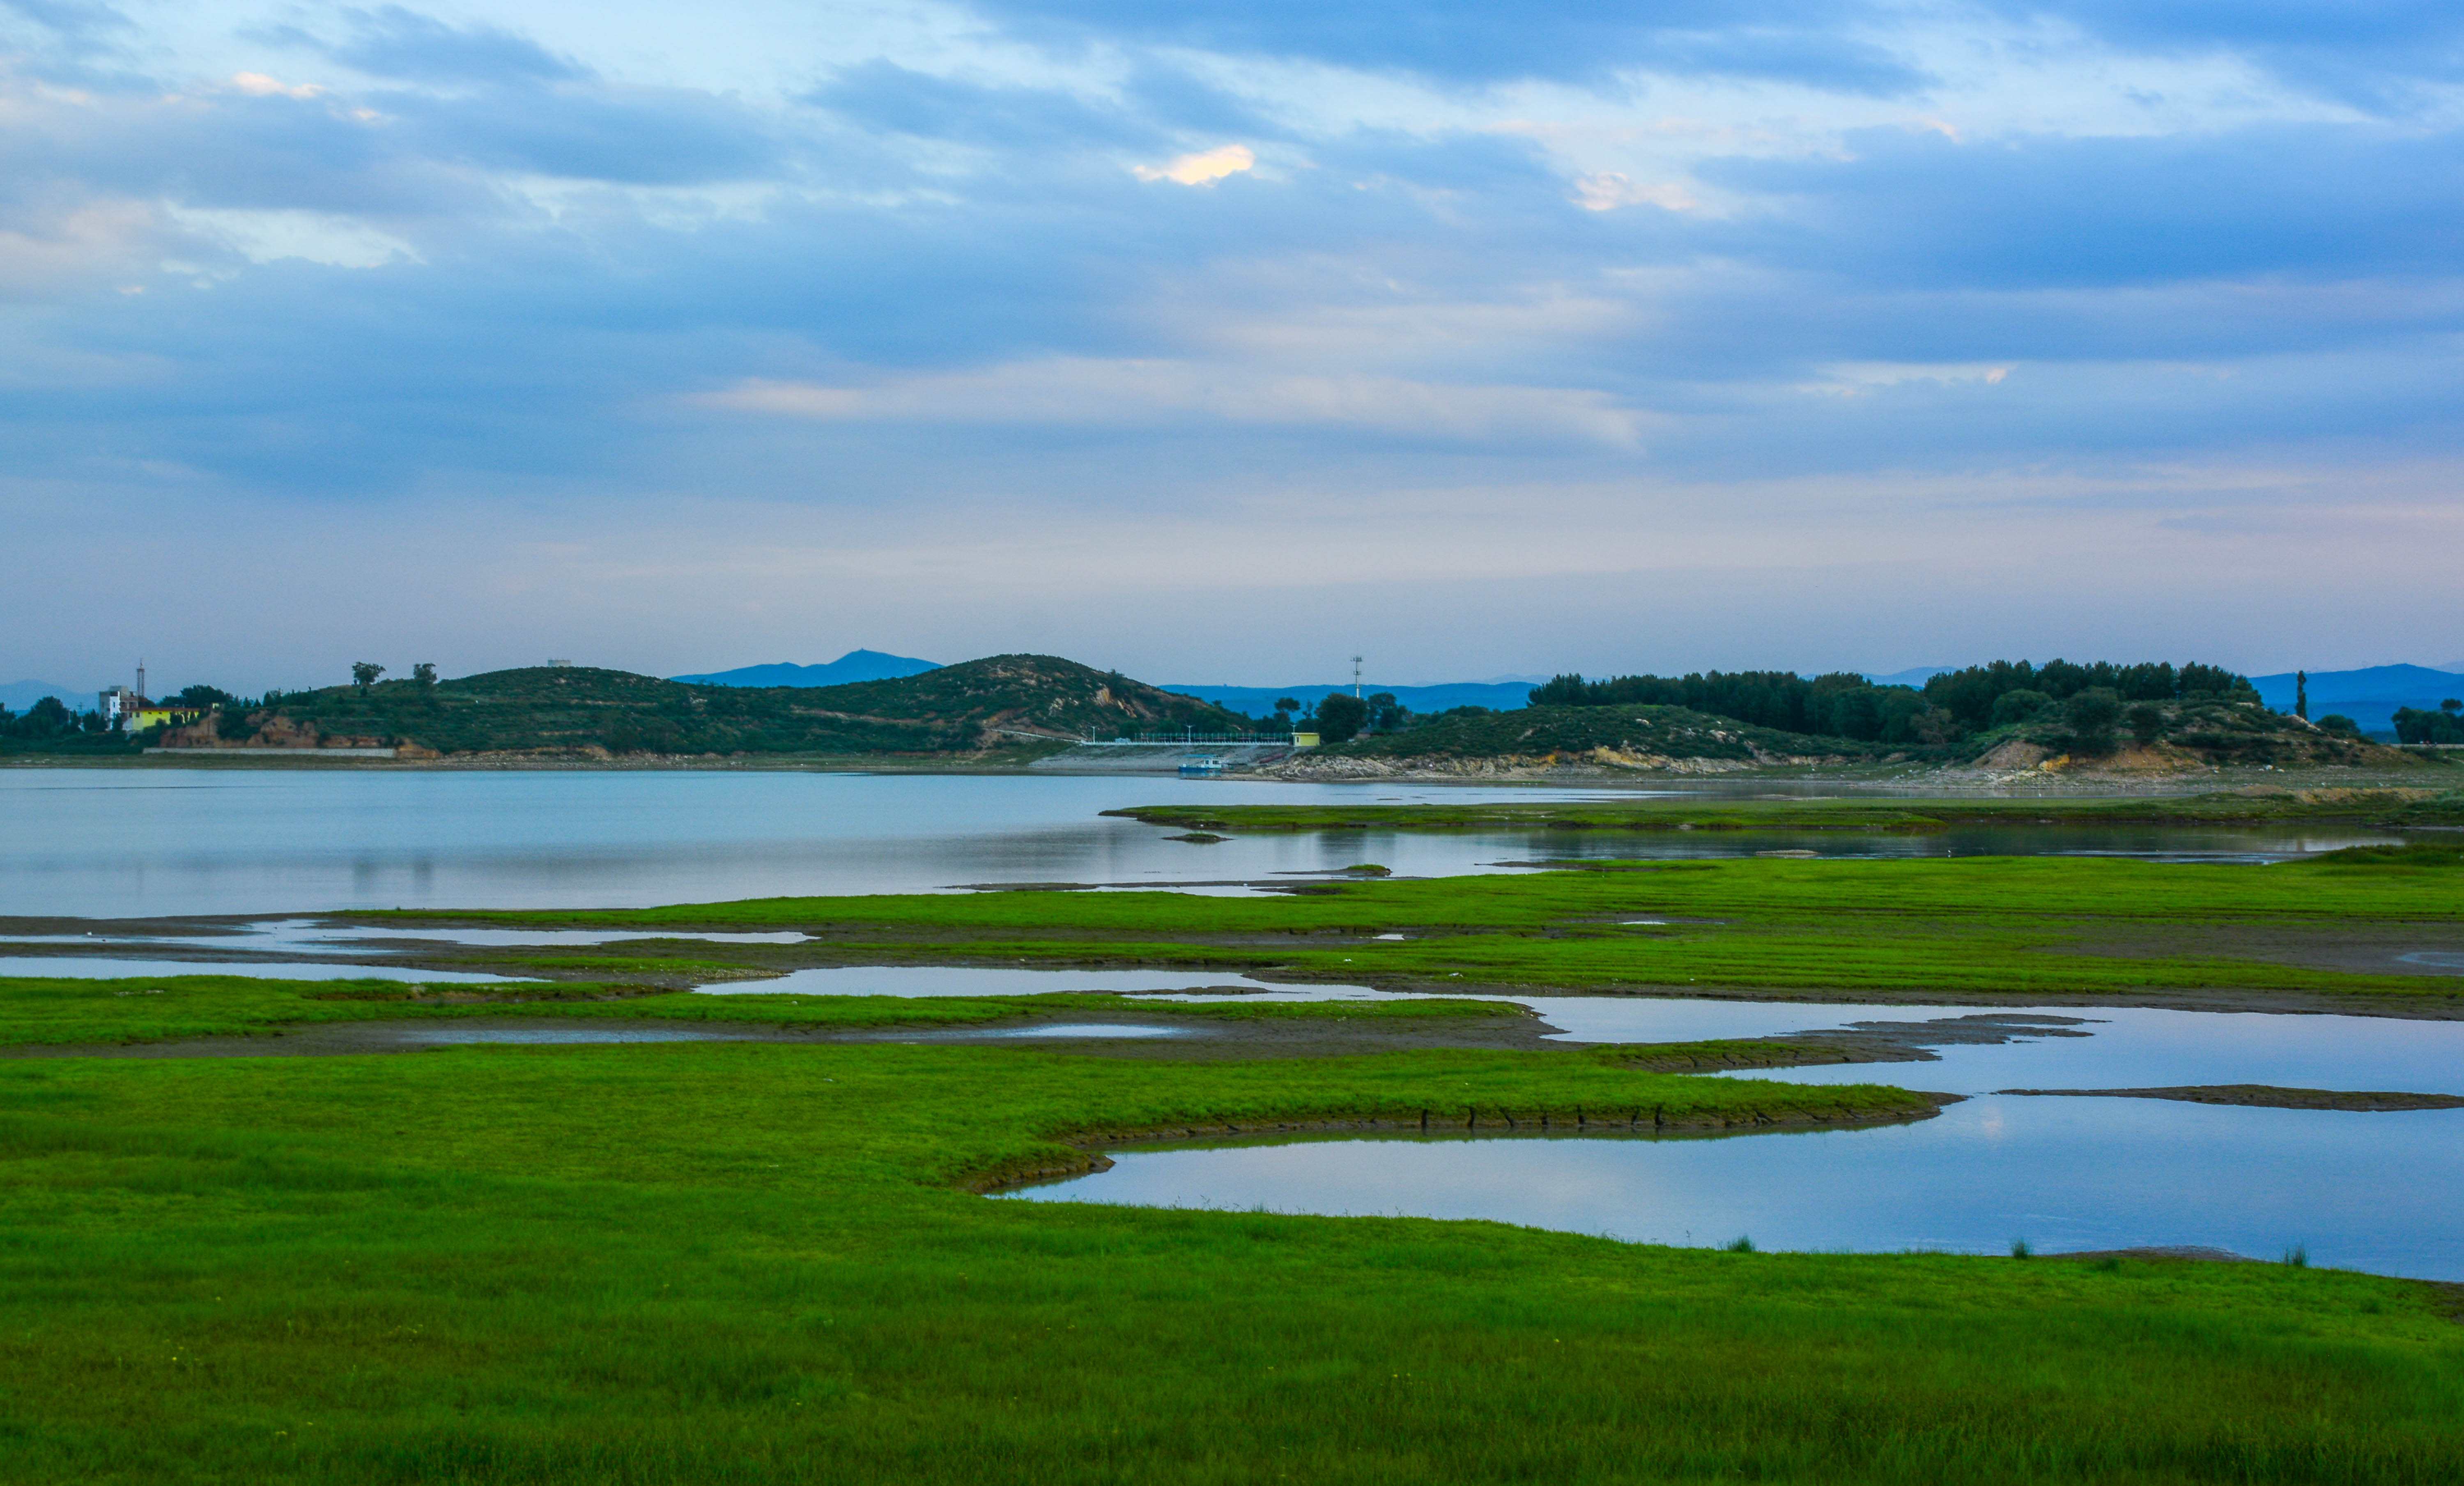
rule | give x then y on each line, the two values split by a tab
2382	1193
93	968
1091	1030
941	980
2140	1047
451	1034
295	936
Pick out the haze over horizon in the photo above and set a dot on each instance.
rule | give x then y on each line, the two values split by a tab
1227	343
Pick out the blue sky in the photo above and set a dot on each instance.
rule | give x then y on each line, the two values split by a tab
1227	342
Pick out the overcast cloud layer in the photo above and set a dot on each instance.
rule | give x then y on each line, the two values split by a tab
1226	341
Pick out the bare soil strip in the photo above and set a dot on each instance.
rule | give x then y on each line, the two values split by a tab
2263	1096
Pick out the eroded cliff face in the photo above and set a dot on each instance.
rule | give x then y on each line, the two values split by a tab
272	730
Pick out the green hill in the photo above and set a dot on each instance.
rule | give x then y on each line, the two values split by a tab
1005	704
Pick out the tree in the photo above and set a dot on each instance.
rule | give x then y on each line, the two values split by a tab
424	674
1340	717
2301	695
203	696
1287	704
2146	722
2340	724
2414	725
1388	715
2092	714
364	674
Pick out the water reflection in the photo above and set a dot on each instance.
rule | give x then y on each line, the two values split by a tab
2375	1191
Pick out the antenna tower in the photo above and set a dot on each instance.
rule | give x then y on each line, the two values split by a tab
141	679
1355	676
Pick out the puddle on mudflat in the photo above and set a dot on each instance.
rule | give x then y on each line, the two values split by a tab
2382	1193
1092	1030
2433	959
89	967
292	936
933	980
451	1034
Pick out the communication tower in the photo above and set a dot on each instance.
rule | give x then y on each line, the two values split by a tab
1355	676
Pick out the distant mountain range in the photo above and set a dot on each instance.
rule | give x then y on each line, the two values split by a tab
1259	701
19	695
1914	676
854	665
2369	696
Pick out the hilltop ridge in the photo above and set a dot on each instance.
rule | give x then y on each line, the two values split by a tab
1002	705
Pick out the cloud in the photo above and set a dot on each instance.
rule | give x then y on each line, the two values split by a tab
1475	41
2305	200
1606	190
416	264
397	43
1200	170
2382	54
258	85
1126	393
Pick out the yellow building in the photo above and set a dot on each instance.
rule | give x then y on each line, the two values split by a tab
161	715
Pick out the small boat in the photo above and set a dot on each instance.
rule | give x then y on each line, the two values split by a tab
1203	767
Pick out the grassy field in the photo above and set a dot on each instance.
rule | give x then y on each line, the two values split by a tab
758	1264
1977	926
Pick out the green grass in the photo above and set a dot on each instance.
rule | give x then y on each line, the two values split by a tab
1976	926
752	1263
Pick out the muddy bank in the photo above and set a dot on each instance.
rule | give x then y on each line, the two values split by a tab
2298	1003
2262	1096
1494	1120
1190	1038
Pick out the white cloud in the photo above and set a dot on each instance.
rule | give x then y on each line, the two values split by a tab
1606	190
1854	379
1081	391
1200	170
257	85
318	237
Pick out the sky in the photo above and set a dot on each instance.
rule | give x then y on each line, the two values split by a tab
1225	343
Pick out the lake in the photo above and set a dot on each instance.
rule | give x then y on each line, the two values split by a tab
166	843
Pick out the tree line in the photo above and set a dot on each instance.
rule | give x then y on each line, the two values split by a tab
1842	704
2421	725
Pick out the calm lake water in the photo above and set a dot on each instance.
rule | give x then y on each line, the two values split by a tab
119	844
2381	1192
